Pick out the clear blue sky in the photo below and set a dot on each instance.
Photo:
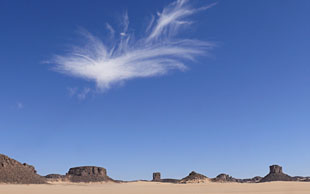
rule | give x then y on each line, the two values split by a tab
238	110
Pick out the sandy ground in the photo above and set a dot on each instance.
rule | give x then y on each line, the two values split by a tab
160	188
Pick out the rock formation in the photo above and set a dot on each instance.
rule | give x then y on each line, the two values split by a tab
55	177
256	179
88	174
276	174
195	177
12	171
156	176
168	180
224	178
301	179
82	174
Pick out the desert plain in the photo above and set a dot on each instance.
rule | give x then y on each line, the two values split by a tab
158	188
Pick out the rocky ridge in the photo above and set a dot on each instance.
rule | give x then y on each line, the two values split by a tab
12	171
224	178
195	177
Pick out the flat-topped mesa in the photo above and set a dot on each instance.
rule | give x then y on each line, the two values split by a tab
88	171
156	177
12	171
88	174
275	169
276	174
195	177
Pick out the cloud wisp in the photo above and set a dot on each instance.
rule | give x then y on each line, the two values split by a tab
19	105
157	52
80	93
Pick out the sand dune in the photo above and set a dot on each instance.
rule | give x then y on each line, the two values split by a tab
160	188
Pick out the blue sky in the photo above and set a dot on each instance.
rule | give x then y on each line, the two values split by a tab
238	107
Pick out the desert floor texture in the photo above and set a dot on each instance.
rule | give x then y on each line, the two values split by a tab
160	188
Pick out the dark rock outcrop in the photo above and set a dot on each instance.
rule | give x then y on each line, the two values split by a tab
256	179
301	179
12	171
194	177
55	177
88	174
82	174
156	176
169	180
88	171
224	178
276	174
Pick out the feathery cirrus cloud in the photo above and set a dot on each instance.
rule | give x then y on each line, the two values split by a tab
157	52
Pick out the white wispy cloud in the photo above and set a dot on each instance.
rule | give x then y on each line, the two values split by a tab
19	105
72	91
80	93
155	53
111	30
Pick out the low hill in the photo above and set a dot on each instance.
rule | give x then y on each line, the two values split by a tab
12	171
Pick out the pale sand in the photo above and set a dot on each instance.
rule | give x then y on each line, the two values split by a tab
160	188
